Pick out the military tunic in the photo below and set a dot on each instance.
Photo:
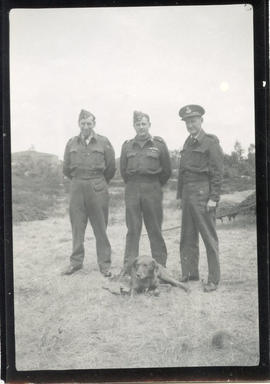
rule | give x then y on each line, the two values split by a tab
90	167
145	168
200	179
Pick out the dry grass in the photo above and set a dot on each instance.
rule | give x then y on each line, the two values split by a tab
70	322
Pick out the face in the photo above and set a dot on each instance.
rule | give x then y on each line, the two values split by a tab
87	126
144	267
142	127
194	124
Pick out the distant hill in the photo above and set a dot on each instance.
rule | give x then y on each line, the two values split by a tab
32	162
33	153
36	183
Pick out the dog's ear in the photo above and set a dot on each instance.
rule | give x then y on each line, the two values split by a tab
154	265
129	266
134	263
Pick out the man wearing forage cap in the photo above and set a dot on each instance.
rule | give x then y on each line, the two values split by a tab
199	185
89	162
145	167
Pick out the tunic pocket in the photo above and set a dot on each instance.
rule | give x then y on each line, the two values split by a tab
98	158
99	185
152	160
131	160
202	195
199	157
74	157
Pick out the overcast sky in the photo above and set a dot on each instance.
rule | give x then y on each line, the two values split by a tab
113	61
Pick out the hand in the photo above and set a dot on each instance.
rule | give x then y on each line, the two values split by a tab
211	205
179	204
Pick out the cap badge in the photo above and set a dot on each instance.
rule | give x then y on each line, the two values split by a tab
188	110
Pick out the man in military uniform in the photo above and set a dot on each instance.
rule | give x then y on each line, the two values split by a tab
145	167
89	162
199	185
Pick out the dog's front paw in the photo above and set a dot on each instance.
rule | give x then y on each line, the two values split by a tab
188	290
125	290
152	292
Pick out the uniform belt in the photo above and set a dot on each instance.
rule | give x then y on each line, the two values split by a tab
84	174
189	177
143	178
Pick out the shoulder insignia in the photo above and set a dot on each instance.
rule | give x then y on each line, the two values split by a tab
74	138
104	140
128	141
108	145
212	136
101	137
158	138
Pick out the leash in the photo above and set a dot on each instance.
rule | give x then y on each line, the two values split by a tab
166	229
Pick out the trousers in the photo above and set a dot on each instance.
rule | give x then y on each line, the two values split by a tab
89	200
144	202
195	220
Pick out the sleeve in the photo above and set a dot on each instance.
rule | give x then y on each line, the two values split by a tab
215	170
123	163
179	183
66	162
165	165
109	154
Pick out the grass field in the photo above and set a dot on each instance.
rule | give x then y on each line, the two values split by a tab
71	322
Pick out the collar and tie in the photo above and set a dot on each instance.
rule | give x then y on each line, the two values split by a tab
87	141
196	139
142	142
193	140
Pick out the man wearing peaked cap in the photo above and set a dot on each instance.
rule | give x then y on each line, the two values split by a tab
89	162
199	186
190	111
145	167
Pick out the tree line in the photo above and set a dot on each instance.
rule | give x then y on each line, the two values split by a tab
237	163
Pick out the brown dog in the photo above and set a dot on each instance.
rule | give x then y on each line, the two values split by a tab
146	273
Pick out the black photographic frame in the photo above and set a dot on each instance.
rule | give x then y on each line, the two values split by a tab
261	86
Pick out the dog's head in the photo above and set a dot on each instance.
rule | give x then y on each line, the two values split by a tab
144	267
